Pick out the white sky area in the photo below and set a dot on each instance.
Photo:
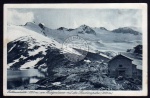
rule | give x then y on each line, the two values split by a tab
73	18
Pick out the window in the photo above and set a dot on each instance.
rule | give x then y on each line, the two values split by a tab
120	65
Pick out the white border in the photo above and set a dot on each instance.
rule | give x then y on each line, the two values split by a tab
143	92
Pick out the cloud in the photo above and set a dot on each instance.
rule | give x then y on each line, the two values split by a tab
73	18
19	18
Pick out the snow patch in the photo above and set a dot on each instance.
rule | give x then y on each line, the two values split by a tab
88	61
12	48
57	83
30	64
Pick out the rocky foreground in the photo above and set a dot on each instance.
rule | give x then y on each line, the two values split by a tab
82	78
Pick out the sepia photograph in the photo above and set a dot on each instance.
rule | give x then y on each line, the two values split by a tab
71	48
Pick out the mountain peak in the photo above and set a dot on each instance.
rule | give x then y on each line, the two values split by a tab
83	26
62	28
41	25
126	30
85	29
103	28
29	23
136	28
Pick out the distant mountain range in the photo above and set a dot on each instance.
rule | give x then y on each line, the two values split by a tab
126	30
31	44
89	30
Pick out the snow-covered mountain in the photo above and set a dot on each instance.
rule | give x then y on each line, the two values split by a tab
29	44
91	35
85	29
138	29
103	28
26	47
29	49
62	28
132	30
27	52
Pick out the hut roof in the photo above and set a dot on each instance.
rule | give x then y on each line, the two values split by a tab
119	56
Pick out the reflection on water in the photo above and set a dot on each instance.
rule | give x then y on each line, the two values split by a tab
16	78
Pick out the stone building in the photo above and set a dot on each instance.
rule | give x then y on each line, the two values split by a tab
122	65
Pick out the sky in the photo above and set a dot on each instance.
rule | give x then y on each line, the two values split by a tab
73	18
